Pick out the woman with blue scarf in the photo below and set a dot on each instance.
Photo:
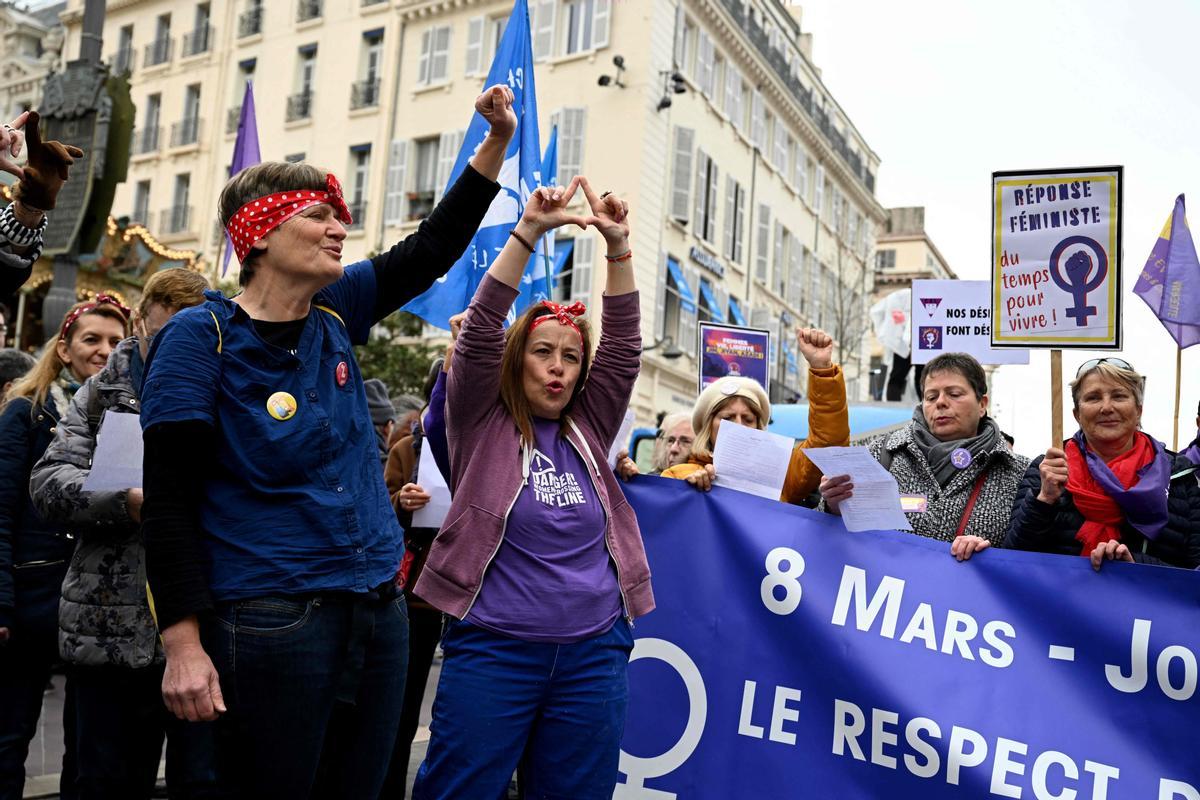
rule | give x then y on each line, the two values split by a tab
1111	492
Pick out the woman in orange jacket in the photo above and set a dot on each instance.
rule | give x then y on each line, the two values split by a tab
744	402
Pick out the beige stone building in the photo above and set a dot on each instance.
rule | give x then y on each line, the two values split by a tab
30	47
752	193
903	253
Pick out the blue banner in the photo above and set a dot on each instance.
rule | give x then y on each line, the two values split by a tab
789	658
519	176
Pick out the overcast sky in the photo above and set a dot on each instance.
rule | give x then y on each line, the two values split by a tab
946	92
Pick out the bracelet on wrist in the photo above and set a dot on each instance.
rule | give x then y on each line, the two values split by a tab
628	254
513	233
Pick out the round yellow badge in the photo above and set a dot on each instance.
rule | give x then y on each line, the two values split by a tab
281	406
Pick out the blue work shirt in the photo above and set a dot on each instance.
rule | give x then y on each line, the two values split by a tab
296	505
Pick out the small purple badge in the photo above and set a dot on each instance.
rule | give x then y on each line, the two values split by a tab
961	458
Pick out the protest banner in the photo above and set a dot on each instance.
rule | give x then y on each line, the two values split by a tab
732	350
789	658
1056	264
955	317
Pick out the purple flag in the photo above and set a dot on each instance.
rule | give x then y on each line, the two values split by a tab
245	152
1170	281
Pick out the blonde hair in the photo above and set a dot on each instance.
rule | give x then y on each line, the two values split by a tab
37	382
1131	380
702	445
172	289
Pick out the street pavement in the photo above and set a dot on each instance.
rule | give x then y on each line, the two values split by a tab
45	751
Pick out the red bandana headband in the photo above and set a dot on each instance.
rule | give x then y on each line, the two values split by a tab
259	217
566	315
102	299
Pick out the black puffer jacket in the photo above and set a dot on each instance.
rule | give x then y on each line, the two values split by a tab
1051	528
33	552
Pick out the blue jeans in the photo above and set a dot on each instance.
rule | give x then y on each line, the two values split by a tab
314	688
562	706
121	722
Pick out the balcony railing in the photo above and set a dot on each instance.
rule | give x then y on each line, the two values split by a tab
158	52
299	106
372	2
177	219
122	60
232	117
145	140
250	23
197	41
308	9
185	132
364	94
803	96
358	212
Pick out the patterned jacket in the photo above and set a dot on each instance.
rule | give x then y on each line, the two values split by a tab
104	617
899	453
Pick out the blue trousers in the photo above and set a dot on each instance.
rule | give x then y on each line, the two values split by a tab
562	706
314	688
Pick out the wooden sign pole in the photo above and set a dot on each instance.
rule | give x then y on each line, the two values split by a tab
1178	381
1056	399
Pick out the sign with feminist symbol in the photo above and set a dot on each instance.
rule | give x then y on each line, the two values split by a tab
1056	258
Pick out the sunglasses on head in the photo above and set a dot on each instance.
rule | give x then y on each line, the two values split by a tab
1088	366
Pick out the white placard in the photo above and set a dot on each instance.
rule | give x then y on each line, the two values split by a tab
874	504
955	317
622	440
751	460
429	477
117	460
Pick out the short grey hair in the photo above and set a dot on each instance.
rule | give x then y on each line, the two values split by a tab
1132	380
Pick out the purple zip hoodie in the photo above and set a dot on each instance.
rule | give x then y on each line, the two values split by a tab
488	466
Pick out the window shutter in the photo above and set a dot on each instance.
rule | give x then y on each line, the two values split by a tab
794	274
543	28
475	45
600	19
660	301
581	278
819	191
448	145
722	296
714	187
570	122
439	65
758	121
700	219
780	265
682	177
760	318
801	169
688	320
393	213
730	214
739	225
802	281
704	63
680	40
764	242
423	65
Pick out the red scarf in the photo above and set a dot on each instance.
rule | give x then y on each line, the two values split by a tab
1102	517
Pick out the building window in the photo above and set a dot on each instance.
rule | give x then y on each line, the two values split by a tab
360	171
300	104
735	93
434	66
159	51
685	37
250	21
177	218
245	75
365	93
393	207
448	146
420	198
800	171
758	120
141	203
706	197
885	259
782	147
705	55
187	130
198	40
819	191
571	123
122	60
581	25
145	140
574	280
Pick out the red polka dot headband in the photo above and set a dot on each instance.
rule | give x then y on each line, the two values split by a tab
565	315
259	217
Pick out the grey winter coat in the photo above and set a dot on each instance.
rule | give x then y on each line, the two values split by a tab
989	519
104	616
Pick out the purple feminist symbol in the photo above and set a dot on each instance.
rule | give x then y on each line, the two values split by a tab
931	304
1073	277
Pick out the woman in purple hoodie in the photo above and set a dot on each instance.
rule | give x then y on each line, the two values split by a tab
540	560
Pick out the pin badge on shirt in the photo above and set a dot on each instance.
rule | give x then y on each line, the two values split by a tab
341	374
961	458
281	406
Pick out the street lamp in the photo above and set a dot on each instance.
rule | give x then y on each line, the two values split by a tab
669	349
606	80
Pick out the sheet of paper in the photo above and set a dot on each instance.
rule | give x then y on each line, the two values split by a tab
875	502
117	460
751	460
622	440
433	513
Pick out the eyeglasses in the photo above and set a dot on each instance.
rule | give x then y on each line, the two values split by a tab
1088	366
685	441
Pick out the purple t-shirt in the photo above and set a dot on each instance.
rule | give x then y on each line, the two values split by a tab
552	579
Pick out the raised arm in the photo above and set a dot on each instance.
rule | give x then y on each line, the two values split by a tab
828	416
619	355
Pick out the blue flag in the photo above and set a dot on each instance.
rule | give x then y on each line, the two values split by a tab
520	175
245	152
542	270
